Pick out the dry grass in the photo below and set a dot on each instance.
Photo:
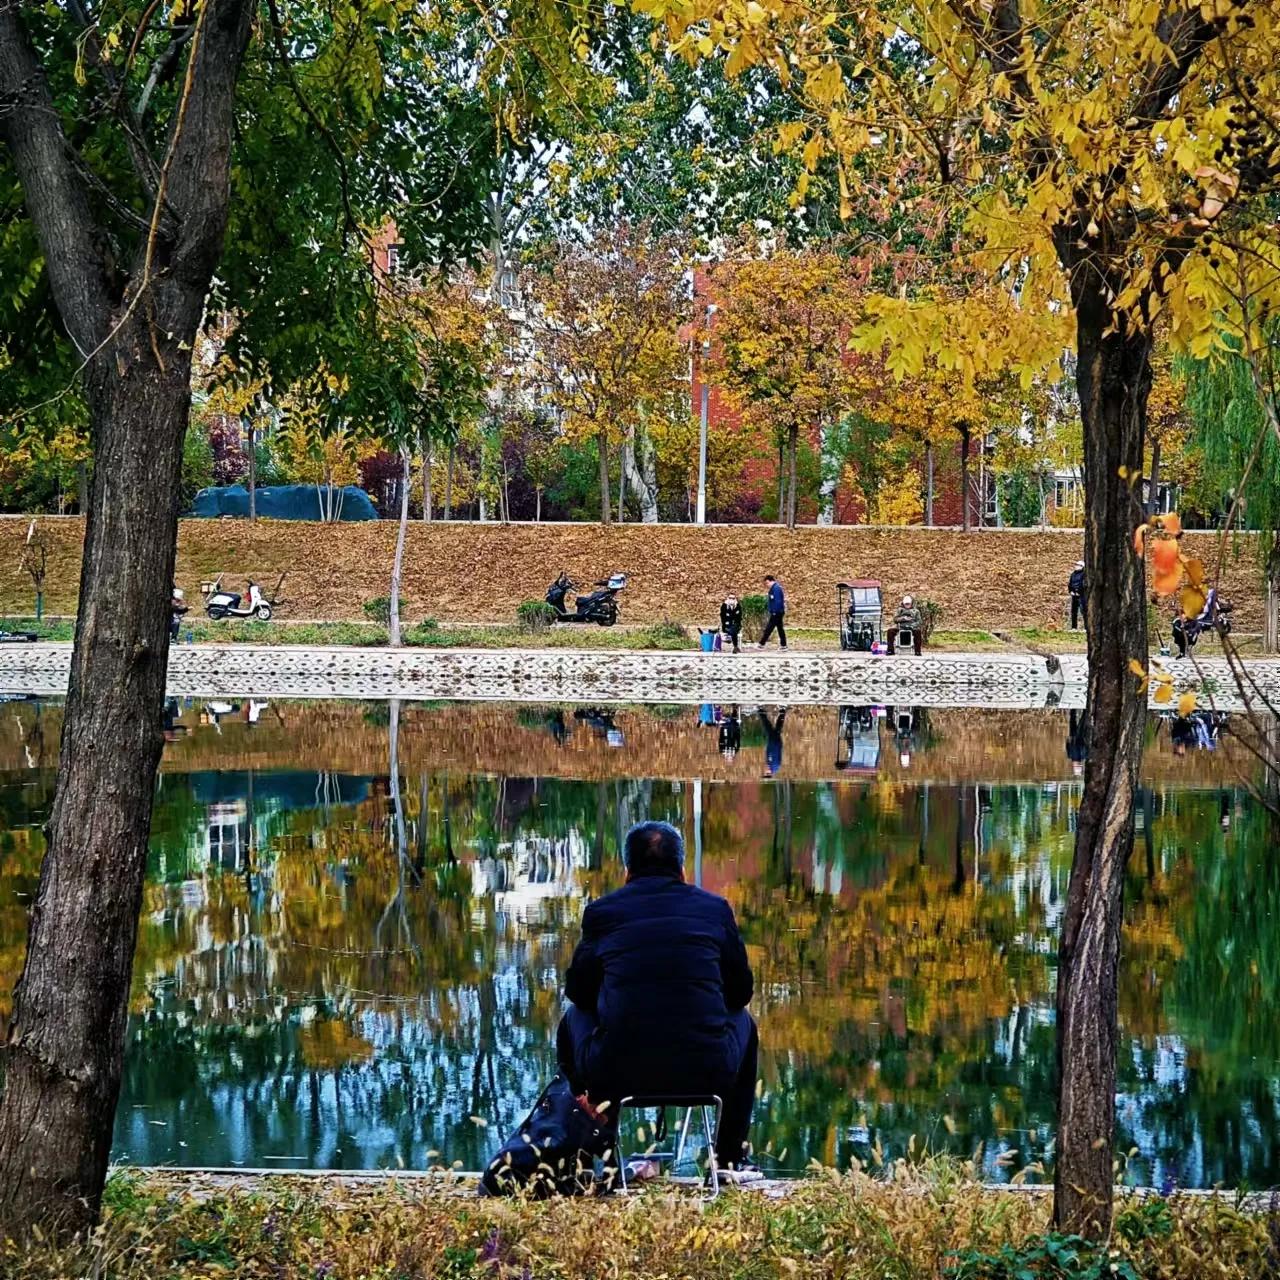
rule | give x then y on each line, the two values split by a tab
466	572
929	1220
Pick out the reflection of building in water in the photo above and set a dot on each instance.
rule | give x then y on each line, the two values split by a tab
528	870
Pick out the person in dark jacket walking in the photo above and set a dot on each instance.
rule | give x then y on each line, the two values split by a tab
776	604
731	619
1077	590
659	986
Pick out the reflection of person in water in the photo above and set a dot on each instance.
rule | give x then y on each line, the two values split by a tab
1198	731
730	733
772	740
1077	743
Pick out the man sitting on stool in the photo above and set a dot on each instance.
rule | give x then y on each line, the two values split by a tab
659	986
908	618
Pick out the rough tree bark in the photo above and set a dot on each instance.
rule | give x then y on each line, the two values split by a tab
965	435
63	1056
1113	378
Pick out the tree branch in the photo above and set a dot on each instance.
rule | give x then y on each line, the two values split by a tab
55	194
144	164
197	166
344	183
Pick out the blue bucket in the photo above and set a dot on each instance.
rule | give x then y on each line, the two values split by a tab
708	639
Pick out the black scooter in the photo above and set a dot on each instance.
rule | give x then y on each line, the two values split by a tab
600	607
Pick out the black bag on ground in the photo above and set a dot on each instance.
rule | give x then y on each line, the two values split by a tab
553	1151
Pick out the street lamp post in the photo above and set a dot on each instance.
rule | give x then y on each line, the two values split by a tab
702	432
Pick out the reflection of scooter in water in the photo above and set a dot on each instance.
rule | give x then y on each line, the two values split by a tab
215	712
857	740
601	721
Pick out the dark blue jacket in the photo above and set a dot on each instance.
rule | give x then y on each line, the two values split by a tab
663	966
777	601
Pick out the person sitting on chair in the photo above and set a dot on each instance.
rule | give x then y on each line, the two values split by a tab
659	987
731	619
1186	631
908	618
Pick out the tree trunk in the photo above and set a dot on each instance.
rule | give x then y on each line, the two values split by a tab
782	480
448	483
622	482
64	1051
65	1046
640	468
1153	484
252	472
602	443
792	445
426	481
537	504
830	479
928	483
1113	378
398	565
1271	625
963	428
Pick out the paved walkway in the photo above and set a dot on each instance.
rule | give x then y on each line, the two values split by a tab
1012	680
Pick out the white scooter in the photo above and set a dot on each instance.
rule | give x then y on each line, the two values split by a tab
228	604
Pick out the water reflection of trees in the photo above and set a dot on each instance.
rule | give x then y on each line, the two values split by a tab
374	959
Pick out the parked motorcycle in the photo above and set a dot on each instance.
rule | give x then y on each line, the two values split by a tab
600	607
229	604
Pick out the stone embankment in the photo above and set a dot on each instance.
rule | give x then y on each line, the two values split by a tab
943	679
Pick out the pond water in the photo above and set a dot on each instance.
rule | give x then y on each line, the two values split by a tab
320	982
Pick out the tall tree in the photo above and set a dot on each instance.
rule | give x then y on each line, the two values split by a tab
130	293
781	332
1086	152
119	162
608	319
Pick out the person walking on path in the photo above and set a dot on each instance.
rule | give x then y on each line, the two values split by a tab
1077	590
776	604
731	619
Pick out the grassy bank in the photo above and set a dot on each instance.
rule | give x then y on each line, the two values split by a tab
930	1222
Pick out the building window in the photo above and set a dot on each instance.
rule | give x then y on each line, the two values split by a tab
1066	493
393	259
508	290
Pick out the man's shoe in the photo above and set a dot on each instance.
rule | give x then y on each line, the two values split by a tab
741	1175
643	1170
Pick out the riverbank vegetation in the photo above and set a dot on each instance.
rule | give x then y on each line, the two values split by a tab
929	1219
